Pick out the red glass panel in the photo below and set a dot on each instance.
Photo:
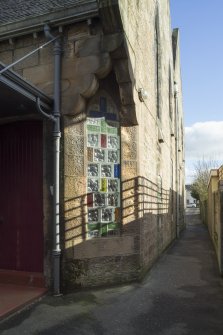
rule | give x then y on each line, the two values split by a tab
90	199
103	141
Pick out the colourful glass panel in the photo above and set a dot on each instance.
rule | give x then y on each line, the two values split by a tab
90	199
117	170
95	114
112	130
117	214
90	154
103	141
104	230
111	116
94	226
93	128
103	105
103	126
103	185
113	231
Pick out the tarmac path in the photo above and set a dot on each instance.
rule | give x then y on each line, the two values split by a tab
182	294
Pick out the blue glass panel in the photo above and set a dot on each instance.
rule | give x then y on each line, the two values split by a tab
111	116
95	114
117	170
103	105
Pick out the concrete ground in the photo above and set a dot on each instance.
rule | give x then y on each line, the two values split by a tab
182	294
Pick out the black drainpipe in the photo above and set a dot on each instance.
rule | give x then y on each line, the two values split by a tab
56	252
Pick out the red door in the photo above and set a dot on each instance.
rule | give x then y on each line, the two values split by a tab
21	211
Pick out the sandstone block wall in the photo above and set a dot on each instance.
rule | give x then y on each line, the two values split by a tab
156	158
214	212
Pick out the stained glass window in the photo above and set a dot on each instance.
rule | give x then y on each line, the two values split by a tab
103	173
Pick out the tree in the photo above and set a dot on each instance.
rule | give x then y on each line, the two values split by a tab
199	187
194	191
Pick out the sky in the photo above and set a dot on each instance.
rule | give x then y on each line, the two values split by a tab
201	48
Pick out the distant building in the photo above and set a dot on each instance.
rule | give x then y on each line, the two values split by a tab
106	208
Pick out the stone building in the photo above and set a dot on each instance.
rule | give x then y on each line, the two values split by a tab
213	214
91	139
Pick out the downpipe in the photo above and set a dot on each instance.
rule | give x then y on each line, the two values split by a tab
56	252
177	161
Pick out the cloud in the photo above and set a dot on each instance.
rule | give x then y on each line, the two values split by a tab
203	140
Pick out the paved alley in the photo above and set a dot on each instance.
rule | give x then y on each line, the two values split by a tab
182	294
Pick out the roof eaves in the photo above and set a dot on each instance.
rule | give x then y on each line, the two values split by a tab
34	24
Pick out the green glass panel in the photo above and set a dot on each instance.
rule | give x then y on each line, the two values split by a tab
93	226
113	225
103	185
113	131
103	126
93	121
93	128
104	230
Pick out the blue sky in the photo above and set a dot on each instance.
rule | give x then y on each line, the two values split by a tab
201	28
